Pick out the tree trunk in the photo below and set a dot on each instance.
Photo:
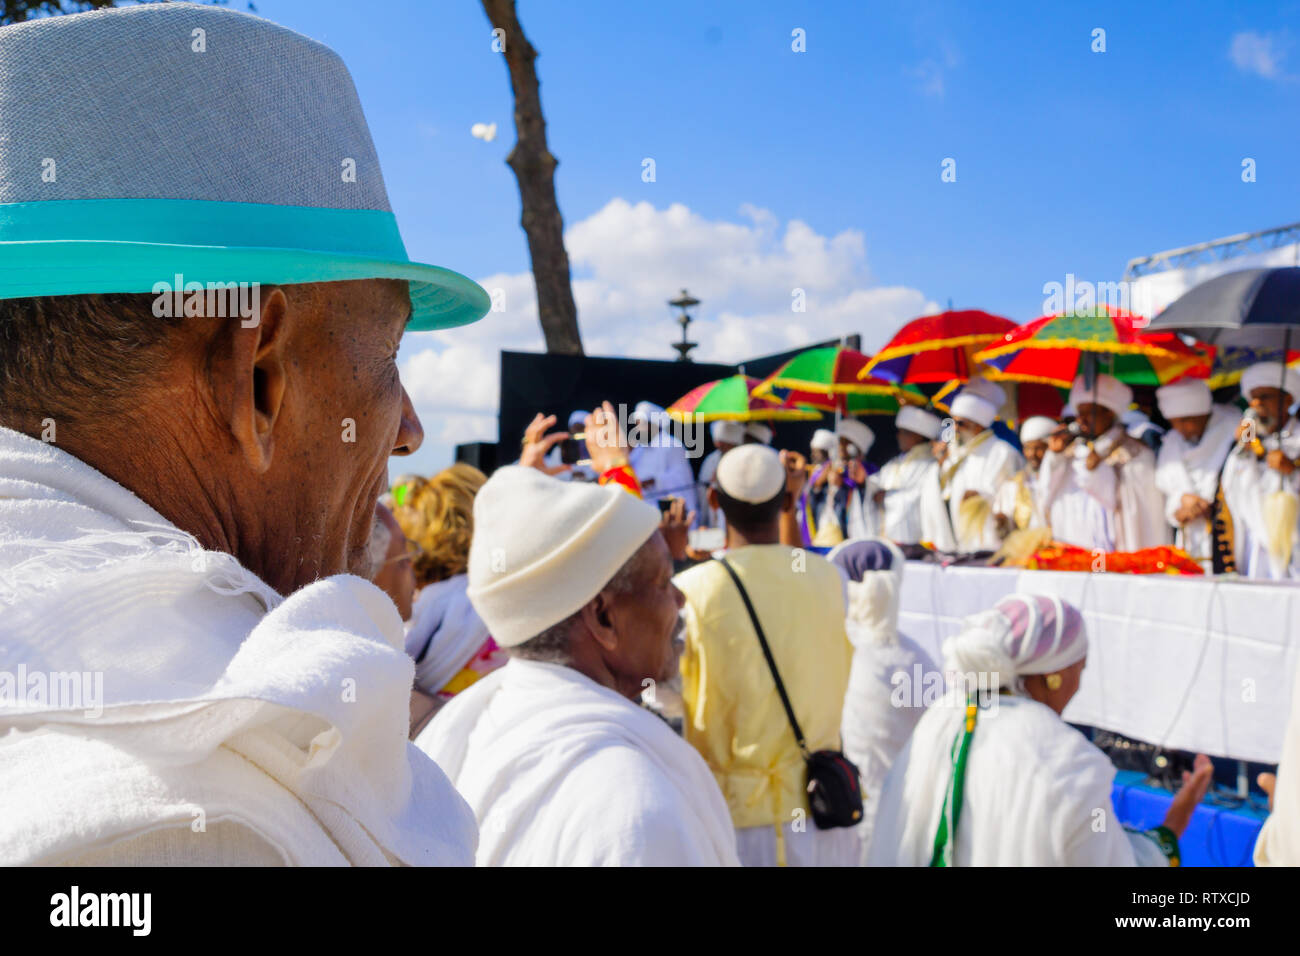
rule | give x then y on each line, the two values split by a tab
534	168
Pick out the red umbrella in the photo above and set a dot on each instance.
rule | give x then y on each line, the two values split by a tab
935	349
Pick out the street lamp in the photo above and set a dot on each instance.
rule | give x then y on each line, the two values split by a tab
684	301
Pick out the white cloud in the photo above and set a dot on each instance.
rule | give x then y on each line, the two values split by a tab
1259	53
931	73
628	260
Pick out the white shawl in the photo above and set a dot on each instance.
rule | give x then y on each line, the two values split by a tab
1247	483
981	465
561	771
1037	793
1186	469
221	700
914	510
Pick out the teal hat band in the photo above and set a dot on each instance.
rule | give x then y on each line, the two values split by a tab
81	246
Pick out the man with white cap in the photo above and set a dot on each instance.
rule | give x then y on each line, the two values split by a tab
823	446
1260	477
726	436
974	464
560	764
1190	464
1102	485
659	458
906	490
199	396
758	432
1022	502
834	505
734	716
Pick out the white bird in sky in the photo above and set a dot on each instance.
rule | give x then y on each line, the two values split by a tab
484	131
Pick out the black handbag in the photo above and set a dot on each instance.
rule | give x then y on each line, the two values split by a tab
834	790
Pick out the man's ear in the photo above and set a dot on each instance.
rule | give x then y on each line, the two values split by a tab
258	380
597	616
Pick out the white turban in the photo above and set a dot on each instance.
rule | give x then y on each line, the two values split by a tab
1038	428
1184	399
1021	634
978	401
751	473
1108	392
824	440
858	433
733	433
1270	375
919	420
543	548
759	431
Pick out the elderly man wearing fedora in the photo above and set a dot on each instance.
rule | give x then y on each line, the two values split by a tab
553	751
202	292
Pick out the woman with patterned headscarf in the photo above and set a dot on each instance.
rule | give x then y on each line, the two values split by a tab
445	637
994	777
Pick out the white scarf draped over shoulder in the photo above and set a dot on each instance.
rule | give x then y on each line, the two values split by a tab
218	701
561	771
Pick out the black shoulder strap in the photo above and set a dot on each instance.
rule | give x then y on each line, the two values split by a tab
767	653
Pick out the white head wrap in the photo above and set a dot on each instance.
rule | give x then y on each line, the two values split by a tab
751	473
1038	428
858	433
760	432
919	420
733	433
1184	399
1022	634
543	548
1109	392
1270	375
824	439
978	401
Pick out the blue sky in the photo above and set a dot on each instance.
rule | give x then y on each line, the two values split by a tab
818	170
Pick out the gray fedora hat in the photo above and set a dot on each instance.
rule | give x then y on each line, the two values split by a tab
149	142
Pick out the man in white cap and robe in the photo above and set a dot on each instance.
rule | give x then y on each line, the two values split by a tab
1190	463
560	764
1260	478
974	464
823	446
726	436
1022	503
835	505
757	432
734	716
659	458
1102	484
906	489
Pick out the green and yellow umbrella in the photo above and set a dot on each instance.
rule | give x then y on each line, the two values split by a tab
732	399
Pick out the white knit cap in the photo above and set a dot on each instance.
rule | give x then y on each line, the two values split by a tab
856	432
1184	398
733	433
751	473
919	420
759	431
1037	428
979	401
1269	375
824	440
1108	392
543	548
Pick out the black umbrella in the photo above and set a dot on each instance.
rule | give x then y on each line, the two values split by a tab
1252	308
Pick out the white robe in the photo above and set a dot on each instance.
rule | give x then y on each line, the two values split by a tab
887	680
1247	482
1037	793
710	517
561	771
1008	498
1186	469
982	468
664	464
913	509
1081	504
444	633
279	724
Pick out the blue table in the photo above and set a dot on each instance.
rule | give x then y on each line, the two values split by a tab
1217	836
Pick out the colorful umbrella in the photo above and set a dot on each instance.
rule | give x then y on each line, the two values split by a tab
732	399
884	402
1054	349
1231	360
938	348
829	370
